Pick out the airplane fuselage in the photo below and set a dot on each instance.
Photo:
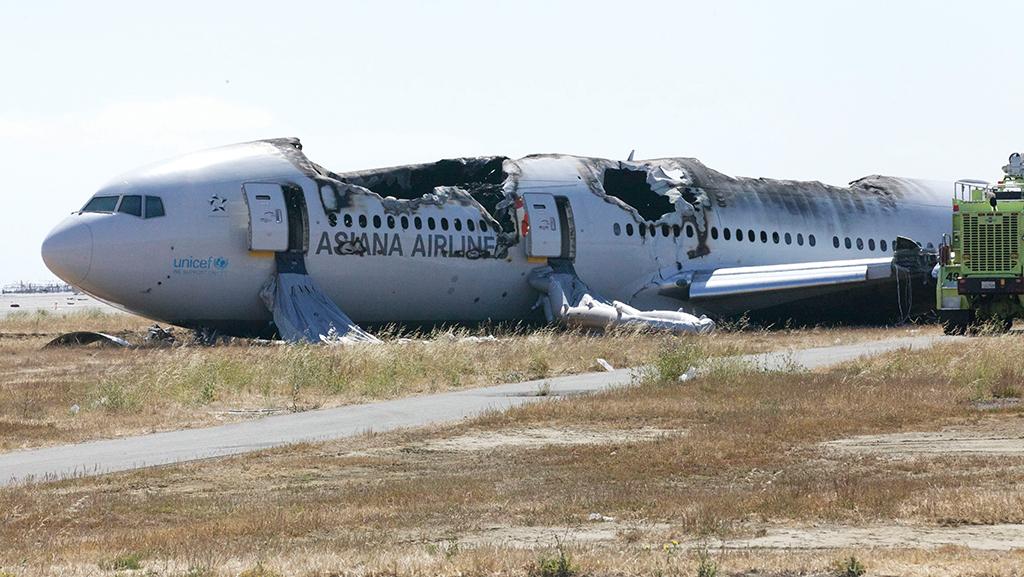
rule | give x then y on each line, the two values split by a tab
416	244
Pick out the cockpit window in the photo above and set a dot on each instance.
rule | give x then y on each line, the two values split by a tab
131	204
154	207
101	204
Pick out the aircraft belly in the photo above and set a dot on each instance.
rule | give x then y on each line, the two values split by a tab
403	289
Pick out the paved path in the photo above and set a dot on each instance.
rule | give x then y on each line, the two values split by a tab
97	457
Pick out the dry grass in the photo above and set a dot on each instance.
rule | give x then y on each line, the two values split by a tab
748	459
54	396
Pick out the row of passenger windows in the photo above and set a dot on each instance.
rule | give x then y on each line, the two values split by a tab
417	222
750	235
859	242
726	233
134	204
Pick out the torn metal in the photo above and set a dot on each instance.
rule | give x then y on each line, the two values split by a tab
667	192
568	300
83	338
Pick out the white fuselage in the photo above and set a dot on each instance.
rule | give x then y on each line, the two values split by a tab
193	265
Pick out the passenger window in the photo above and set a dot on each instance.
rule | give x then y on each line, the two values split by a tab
739	234
154	207
642	230
871	244
629	229
616	229
882	243
689	231
676	230
835	241
405	223
727	233
714	233
376	221
800	239
653	231
789	238
362	220
750	235
483	226
810	240
431	223
860	244
444	223
391	221
775	237
847	243
457	223
418	222
471	225
764	237
131	204
664	230
347	220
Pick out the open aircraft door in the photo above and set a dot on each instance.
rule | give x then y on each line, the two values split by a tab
547	226
268	216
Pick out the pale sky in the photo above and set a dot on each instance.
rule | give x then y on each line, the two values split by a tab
815	90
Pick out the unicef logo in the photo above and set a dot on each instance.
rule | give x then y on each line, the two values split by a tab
193	265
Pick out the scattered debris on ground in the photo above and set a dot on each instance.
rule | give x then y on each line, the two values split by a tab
84	338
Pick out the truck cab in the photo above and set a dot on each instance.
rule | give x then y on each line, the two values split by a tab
980	276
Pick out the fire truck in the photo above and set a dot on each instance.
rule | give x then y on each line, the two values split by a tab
980	279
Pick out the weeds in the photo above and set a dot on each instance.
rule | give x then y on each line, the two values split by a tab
123	562
706	566
558	565
850	567
672	361
259	570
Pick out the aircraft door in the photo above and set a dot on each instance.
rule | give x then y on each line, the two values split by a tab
268	216
543	226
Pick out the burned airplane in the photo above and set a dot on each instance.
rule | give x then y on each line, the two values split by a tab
252	238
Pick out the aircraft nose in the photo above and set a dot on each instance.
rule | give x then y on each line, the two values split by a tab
67	251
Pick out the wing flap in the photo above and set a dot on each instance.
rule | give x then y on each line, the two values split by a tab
725	282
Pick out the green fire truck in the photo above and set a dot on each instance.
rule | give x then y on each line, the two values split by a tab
980	278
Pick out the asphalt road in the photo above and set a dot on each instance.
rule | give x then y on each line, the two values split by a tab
98	457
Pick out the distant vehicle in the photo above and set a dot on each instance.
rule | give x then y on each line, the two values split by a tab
981	278
192	241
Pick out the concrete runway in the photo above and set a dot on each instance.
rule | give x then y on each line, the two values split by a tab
98	457
55	303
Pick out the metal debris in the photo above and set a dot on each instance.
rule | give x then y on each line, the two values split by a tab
689	375
157	335
83	338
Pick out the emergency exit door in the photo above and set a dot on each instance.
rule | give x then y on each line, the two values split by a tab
549	232
268	216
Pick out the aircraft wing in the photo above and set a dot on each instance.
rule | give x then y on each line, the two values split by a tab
737	281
